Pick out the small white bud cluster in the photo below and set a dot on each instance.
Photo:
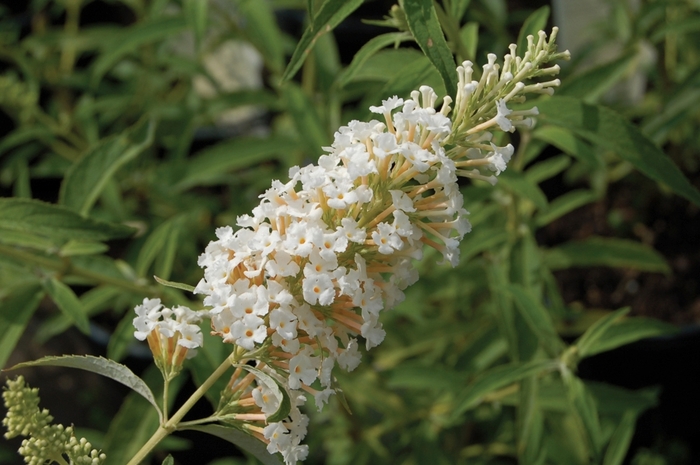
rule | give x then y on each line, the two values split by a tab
45	441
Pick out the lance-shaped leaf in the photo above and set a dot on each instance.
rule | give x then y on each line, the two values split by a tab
210	165
611	130
15	312
597	330
68	303
534	23
89	175
101	366
538	318
261	29
278	392
367	51
424	25
564	204
619	333
54	222
585	411
243	440
592	85
327	17
131	38
620	440
605	251
497	378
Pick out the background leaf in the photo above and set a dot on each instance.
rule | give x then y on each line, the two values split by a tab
328	15
425	27
87	177
68	303
606	251
610	130
52	221
16	309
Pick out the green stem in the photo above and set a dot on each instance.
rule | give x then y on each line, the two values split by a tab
166	384
164	430
60	460
69	268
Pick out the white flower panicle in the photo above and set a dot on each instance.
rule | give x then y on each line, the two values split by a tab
309	271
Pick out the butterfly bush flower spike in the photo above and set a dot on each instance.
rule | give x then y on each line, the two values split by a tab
300	283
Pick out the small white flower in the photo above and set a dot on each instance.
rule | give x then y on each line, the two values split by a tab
318	289
386	238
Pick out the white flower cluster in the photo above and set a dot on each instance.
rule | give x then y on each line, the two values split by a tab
180	324
323	254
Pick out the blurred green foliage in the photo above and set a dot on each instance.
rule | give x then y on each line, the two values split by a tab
128	140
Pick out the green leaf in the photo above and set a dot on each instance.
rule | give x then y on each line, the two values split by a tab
626	332
612	131
425	27
596	331
368	50
82	248
606	251
408	78
615	401
592	85
586	411
195	12
530	422
413	376
481	239
182	286
620	440
26	239
278	391
211	163
567	142
534	23
95	300
521	186
261	29
122	338
469	36
88	176
547	169
328	16
165	260
538	318
311	131
16	309
676	109
130	38
54	222
497	378
169	459
101	366
68	303
155	242
689	24
564	204
245	441
458	8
